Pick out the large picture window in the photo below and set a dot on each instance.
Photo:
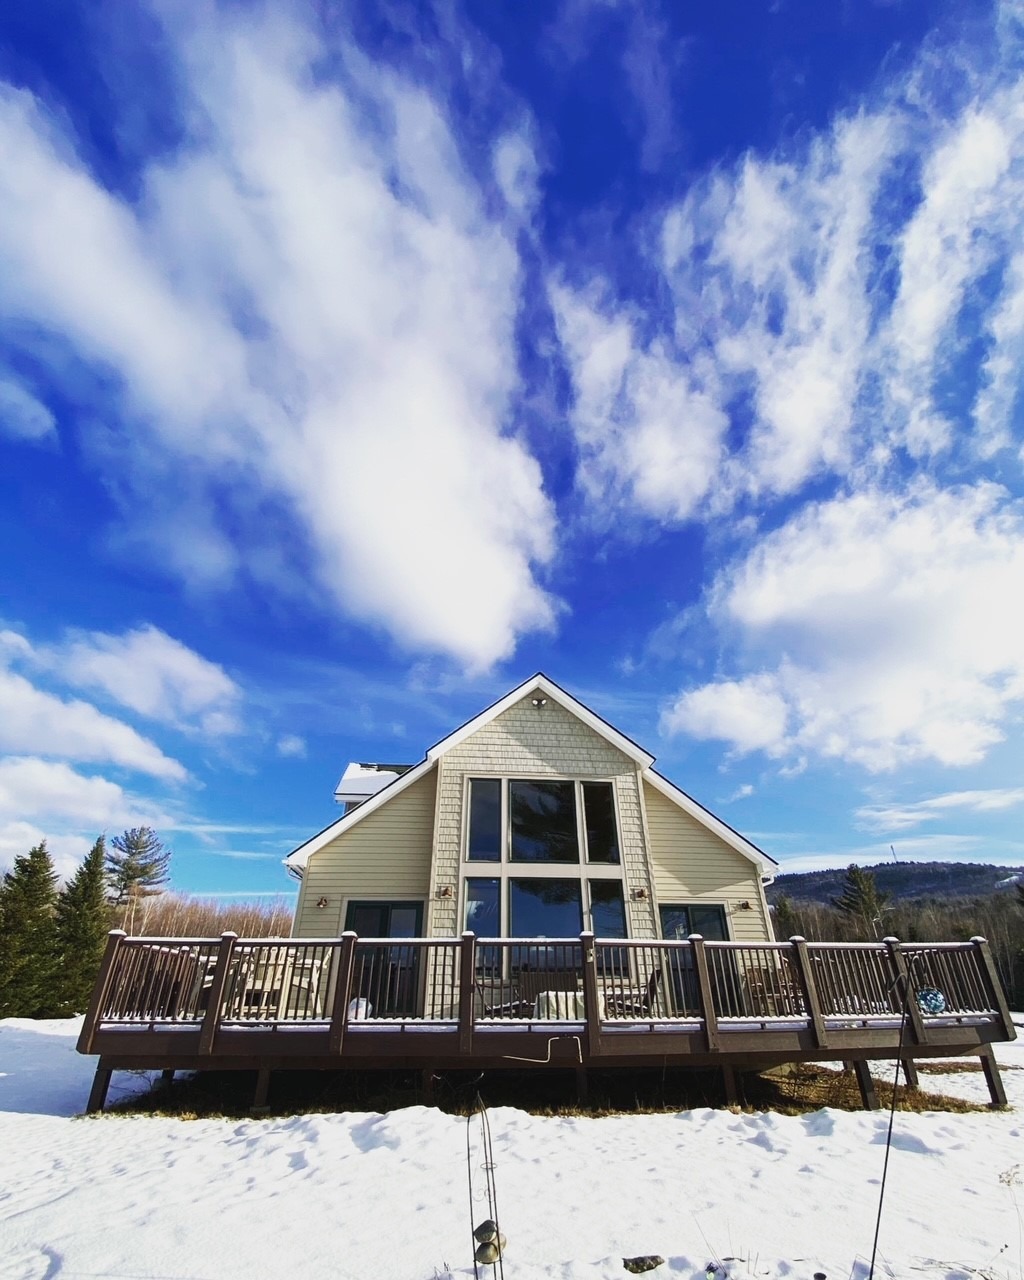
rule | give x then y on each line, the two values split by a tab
542	821
545	908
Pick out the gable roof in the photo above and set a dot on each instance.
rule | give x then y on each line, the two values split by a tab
543	686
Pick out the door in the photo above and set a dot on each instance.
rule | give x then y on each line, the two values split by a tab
386	977
677	923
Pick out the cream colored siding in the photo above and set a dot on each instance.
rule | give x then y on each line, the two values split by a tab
385	857
530	742
692	864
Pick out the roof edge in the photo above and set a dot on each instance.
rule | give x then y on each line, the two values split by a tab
721	829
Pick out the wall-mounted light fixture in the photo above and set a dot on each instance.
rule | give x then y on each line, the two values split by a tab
744	906
321	903
640	895
445	891
539	702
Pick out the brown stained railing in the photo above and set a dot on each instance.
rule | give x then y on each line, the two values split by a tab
955	973
471	983
159	980
855	979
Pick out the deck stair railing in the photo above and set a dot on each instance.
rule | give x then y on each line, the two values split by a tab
470	983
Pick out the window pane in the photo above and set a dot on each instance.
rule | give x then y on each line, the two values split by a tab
485	819
675	923
545	908
543	818
483	908
599	807
709	922
607	909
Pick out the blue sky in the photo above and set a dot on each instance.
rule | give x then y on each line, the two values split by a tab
357	361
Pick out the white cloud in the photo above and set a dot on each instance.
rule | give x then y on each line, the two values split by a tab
152	674
649	433
66	851
22	415
900	817
36	722
46	799
893	626
292	745
825	302
311	316
750	714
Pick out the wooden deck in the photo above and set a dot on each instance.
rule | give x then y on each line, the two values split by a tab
448	1003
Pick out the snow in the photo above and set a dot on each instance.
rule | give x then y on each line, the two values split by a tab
361	1196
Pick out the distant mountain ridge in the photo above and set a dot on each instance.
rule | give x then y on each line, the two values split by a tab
903	881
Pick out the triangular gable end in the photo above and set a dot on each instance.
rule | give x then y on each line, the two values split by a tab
541	685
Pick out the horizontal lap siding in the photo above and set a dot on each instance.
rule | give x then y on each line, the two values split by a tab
385	857
693	865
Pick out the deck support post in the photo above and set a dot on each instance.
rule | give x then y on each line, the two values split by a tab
211	1019
866	1084
591	997
427	1078
100	992
993	1079
707	1002
732	1093
809	988
582	1086
990	976
467	991
910	1073
100	1085
342	991
261	1092
904	992
167	1076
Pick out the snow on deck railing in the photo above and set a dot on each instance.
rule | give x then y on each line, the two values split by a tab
468	982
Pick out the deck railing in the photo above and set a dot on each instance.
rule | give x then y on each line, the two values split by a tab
470	983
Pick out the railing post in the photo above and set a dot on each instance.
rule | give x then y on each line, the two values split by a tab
591	996
342	992
467	991
707	1003
211	1018
809	988
901	971
100	991
995	988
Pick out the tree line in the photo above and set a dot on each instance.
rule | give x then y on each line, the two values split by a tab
51	941
861	912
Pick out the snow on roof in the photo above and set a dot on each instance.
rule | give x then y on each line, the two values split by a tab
360	781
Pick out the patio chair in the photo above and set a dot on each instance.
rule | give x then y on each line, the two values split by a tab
639	1003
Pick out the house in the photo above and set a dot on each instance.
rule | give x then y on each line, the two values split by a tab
536	818
533	894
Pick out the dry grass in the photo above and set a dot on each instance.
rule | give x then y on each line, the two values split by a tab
177	915
549	1093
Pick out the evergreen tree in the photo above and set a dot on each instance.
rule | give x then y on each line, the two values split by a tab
137	866
28	963
785	920
82	919
861	902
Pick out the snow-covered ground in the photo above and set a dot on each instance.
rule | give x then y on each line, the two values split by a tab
384	1197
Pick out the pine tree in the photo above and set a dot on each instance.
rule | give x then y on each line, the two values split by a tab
785	920
82	919
137	866
861	900
28	964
